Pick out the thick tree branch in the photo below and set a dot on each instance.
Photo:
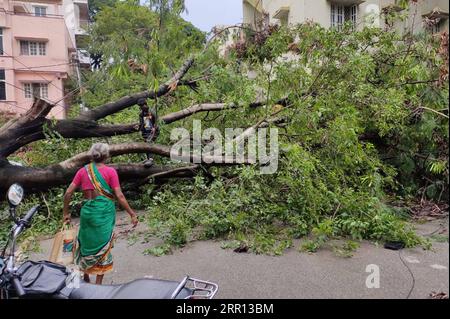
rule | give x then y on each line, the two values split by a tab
32	127
176	116
24	129
212	107
174	172
139	148
128	101
85	129
41	179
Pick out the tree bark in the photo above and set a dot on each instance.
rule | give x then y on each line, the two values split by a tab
128	101
33	125
41	179
206	107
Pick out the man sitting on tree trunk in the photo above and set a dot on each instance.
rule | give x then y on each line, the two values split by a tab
147	126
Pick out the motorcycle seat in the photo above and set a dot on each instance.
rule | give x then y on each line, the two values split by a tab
138	289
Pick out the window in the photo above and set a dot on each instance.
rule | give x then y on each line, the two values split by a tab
24	48
35	90
42	48
351	14
1	41
40	11
27	90
2	85
436	25
337	16
32	48
341	14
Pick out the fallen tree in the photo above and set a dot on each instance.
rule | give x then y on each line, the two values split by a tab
34	124
361	115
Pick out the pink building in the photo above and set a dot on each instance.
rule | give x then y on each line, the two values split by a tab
35	54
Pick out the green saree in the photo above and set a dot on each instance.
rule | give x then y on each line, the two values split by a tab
97	221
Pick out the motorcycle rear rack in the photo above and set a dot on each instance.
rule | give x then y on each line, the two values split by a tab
200	289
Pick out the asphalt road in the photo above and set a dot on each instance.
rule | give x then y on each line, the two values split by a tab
293	275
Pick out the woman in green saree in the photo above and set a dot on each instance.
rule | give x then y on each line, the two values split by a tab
100	186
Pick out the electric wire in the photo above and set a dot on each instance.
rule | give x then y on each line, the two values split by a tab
38	67
410	272
25	91
64	108
35	72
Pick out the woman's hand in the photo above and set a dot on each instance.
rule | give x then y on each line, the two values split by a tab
124	203
67	198
134	219
67	220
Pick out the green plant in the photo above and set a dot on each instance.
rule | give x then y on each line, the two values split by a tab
439	238
310	246
347	249
158	251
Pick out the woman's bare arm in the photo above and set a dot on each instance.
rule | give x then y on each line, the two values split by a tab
124	204
67	198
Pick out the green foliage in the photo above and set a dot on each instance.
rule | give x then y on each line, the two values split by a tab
167	7
254	211
439	238
158	251
137	51
95	6
347	249
322	233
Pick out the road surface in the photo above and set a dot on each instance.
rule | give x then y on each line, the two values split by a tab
293	275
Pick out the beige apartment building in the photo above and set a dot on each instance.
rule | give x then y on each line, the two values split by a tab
334	13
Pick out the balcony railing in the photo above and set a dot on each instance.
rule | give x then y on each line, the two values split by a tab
31	14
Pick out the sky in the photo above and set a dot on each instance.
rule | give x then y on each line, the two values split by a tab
205	14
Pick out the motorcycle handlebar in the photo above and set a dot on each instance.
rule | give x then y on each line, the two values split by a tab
29	216
18	286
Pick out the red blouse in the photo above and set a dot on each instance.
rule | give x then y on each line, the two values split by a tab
82	180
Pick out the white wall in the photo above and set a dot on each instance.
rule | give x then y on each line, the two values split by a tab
319	11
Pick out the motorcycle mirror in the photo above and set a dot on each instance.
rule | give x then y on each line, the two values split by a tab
15	195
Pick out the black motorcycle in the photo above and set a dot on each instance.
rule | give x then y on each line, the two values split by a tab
48	280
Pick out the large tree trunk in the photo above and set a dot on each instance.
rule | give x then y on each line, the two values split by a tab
41	179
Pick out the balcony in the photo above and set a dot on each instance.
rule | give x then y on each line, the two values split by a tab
81	28
19	8
82	8
26	8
